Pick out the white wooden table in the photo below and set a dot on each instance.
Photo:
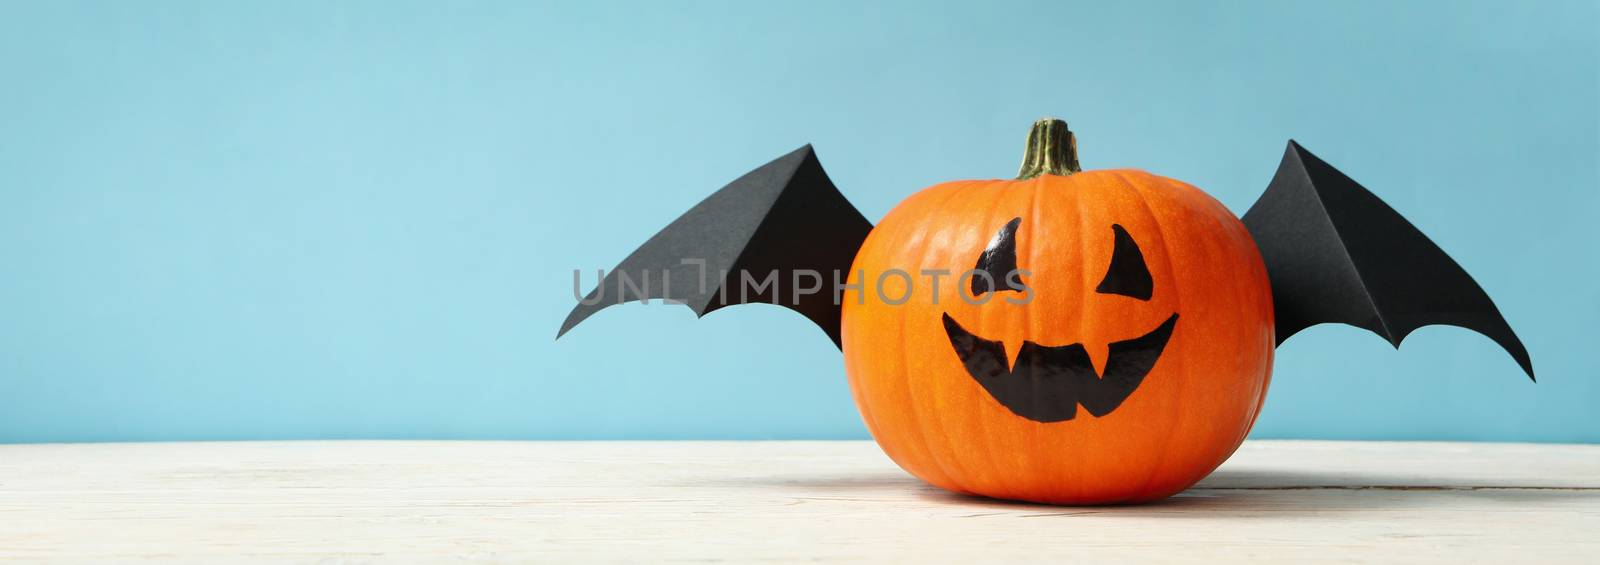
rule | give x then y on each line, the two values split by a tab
770	501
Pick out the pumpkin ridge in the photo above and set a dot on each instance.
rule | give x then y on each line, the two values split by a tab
905	454
974	190
1028	312
984	401
1177	301
941	450
858	386
979	190
918	418
864	399
1241	296
1220	218
1077	467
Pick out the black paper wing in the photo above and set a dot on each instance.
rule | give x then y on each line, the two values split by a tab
1336	253
777	235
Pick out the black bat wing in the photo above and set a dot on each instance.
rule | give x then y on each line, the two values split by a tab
1336	253
784	220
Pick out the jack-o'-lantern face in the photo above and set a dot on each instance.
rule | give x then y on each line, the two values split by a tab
1047	383
1136	297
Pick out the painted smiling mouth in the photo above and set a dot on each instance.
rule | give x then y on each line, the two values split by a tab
1048	383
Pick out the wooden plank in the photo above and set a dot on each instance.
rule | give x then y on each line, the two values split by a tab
771	501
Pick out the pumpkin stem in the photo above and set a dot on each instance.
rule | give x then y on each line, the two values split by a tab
1052	150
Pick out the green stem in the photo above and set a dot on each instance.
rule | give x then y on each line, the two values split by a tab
1052	150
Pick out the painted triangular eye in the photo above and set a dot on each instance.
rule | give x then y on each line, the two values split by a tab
999	260
1127	275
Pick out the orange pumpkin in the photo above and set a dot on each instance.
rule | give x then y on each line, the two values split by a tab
1121	356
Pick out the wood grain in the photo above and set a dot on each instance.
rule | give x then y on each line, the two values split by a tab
770	501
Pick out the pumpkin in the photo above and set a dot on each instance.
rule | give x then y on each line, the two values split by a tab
1070	337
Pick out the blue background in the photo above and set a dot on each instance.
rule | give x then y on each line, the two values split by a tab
225	220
